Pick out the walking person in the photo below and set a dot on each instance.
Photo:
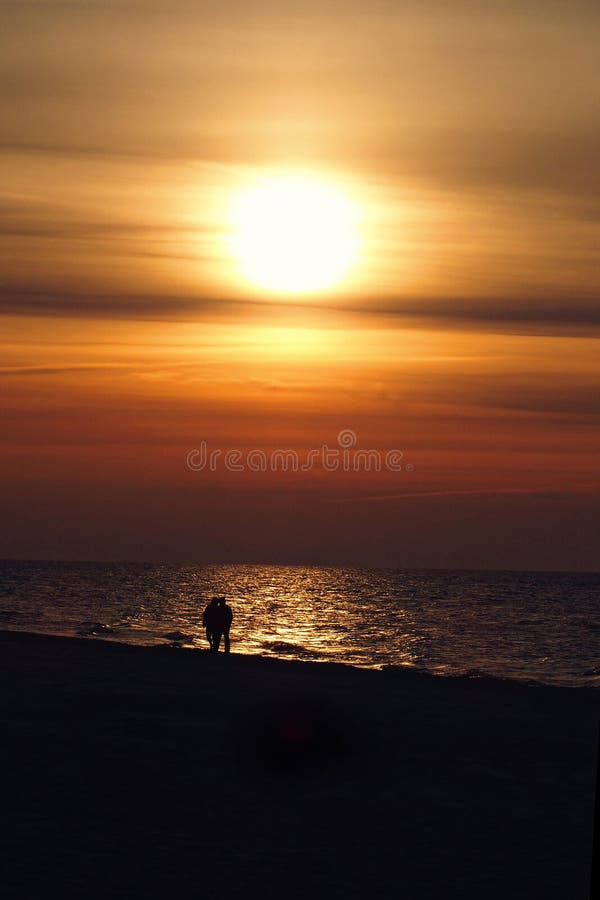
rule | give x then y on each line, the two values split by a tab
211	620
225	620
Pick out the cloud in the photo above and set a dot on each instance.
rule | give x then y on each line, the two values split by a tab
523	316
554	160
484	111
419	495
12	371
38	303
467	93
508	313
573	394
62	229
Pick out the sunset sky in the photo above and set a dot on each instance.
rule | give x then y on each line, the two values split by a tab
462	138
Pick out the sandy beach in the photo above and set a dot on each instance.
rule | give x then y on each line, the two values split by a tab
146	772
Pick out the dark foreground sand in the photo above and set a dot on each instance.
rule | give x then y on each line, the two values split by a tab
151	772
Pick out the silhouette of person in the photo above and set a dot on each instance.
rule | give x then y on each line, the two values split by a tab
224	619
211	621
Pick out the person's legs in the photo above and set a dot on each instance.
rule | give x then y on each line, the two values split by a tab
226	640
209	637
216	640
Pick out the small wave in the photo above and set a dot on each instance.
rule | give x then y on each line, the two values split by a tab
475	673
282	645
286	647
594	671
178	637
94	629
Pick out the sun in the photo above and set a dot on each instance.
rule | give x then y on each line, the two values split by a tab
294	234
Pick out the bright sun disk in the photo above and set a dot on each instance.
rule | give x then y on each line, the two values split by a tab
294	234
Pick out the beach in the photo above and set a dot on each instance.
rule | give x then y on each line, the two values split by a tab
149	771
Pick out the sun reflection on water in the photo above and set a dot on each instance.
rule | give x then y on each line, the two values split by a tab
308	613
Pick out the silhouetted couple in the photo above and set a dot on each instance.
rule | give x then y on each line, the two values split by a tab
217	620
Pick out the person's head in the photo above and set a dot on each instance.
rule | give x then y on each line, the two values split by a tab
222	601
214	600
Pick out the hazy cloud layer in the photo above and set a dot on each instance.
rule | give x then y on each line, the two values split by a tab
488	111
478	93
523	316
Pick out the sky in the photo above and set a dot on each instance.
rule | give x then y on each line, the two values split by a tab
464	335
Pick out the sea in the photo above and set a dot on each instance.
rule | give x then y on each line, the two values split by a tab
539	627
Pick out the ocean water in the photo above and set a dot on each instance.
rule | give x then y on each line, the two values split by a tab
528	626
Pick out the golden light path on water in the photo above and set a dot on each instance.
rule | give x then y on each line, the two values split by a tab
304	614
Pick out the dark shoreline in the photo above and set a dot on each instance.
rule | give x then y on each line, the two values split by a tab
472	677
137	771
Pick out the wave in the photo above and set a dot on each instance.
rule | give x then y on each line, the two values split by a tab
95	629
178	637
288	647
